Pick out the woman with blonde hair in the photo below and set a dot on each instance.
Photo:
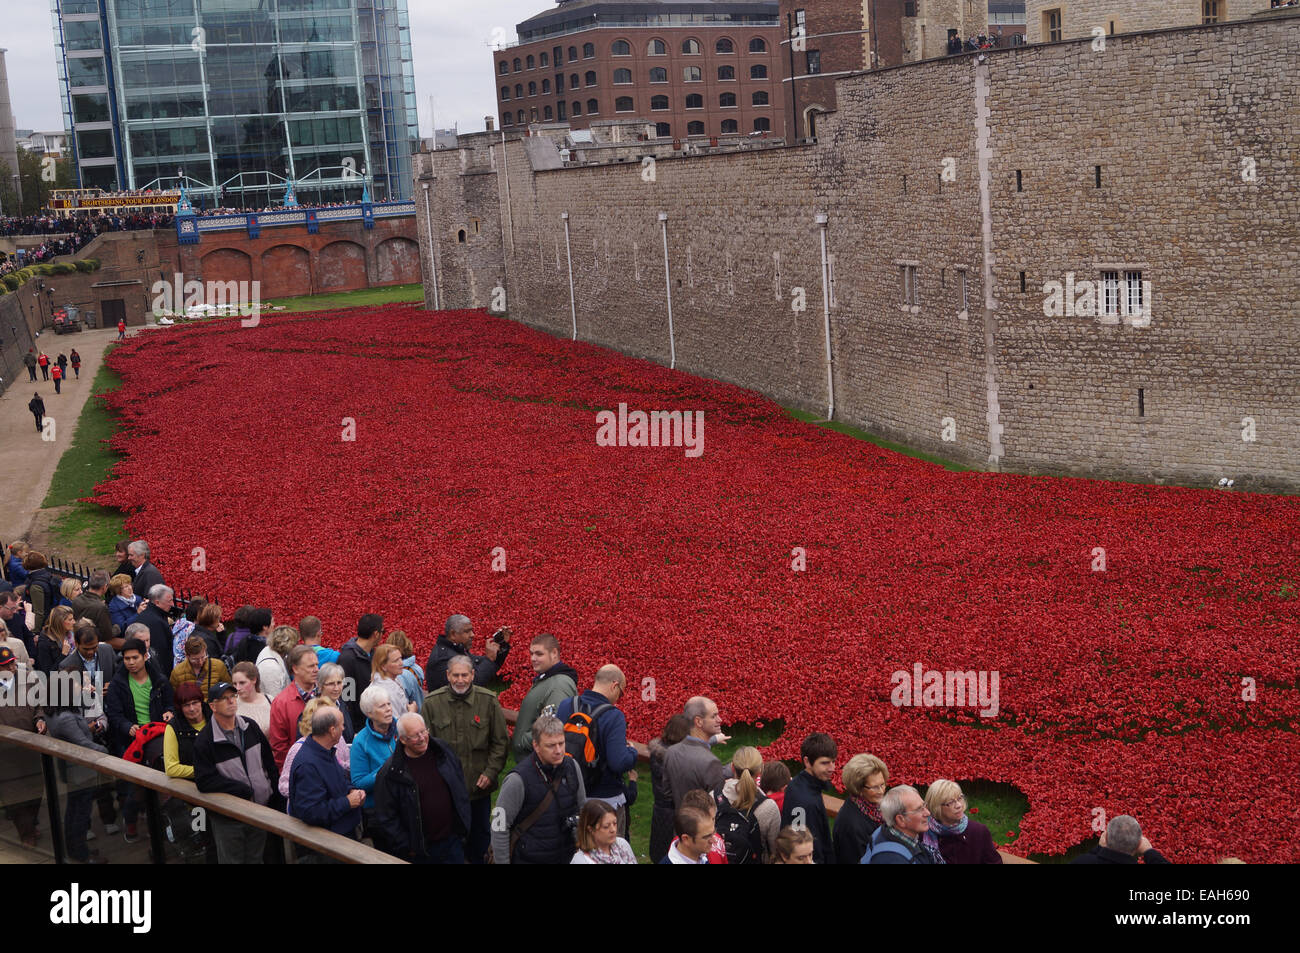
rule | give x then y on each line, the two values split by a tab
341	752
123	603
412	676
866	779
55	641
385	667
961	840
272	661
70	589
752	813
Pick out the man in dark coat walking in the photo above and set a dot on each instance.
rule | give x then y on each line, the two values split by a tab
37	407
30	360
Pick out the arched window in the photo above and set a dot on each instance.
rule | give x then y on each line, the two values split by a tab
726	72
729	127
546	86
460	236
663	130
692	74
758	45
656	48
563	108
519	90
658	74
588	50
507	119
573	81
623	77
547	114
658	103
505	92
557	54
758	72
593	107
623	104
590	78
518	65
691	47
532	63
762	124
695	128
573	53
727	100
532	89
546	60
503	68
621	48
577	108
724	45
760	98
694	101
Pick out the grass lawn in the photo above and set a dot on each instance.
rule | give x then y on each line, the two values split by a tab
86	527
364	297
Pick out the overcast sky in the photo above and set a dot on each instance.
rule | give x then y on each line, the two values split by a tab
450	39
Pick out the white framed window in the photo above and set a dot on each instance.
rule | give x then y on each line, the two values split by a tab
1110	295
909	282
1133	303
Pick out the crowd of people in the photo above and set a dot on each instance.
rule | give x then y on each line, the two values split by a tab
366	742
223	210
972	43
77	231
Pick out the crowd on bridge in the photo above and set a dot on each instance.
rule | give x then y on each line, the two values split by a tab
368	743
972	43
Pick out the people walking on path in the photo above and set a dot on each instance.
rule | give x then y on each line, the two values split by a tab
37	407
30	360
76	364
44	360
58	379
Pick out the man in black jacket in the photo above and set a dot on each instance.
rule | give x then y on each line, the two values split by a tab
146	573
1122	843
124	715
421	804
804	806
232	756
455	640
37	407
155	616
354	656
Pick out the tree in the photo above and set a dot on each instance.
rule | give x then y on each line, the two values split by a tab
39	176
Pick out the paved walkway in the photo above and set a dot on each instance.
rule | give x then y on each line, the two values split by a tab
27	463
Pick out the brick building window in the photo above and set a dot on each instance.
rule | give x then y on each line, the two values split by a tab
724	45
758	45
593	107
532	63
622	77
695	128
758	72
507	119
656	48
588	51
577	108
519	118
503	68
730	127
727	100
573	53
910	283
623	104
814	61
1052	25
726	73
545	60
621	48
573	81
590	77
532	89
909	8
557	54
658	74
1210	11
518	65
546	86
519	90
505	92
563	110
663	129
760	98
694	101
963	305
762	124
692	74
559	82
547	114
691	47
658	103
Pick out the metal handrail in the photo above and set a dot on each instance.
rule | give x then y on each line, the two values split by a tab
246	812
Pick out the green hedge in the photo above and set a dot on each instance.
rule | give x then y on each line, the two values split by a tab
10	282
63	268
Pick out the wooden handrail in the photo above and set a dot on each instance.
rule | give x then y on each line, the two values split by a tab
246	812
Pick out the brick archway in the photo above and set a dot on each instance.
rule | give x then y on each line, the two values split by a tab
397	262
341	265
286	271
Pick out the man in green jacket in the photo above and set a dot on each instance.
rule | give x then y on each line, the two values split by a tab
470	720
554	682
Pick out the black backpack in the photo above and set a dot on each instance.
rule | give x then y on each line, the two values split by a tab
739	830
580	740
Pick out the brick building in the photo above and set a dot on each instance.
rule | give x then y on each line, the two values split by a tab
1051	20
952	196
690	67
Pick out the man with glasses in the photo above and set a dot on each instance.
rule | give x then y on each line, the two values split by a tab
614	754
421	805
901	839
232	756
694	830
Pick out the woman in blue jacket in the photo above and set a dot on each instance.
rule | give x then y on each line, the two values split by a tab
372	746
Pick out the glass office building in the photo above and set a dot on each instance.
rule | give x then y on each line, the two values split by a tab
238	97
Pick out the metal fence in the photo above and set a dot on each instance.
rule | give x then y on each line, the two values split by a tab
73	570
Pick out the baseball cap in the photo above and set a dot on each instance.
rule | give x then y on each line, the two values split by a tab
7	655
220	689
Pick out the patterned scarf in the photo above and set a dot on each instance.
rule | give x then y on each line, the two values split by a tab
945	830
868	809
619	853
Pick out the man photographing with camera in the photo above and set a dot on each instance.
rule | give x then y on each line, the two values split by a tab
457	635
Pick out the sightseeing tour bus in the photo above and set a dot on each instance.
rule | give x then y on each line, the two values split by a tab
66	202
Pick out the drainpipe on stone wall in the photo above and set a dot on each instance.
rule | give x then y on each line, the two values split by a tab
826	314
573	308
510	213
433	261
668	284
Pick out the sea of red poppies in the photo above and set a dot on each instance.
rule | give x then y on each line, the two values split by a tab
1164	686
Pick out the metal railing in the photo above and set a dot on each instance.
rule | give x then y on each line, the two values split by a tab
156	783
73	570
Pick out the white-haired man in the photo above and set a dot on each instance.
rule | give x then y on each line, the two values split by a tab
146	573
421	803
901	838
1122	843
